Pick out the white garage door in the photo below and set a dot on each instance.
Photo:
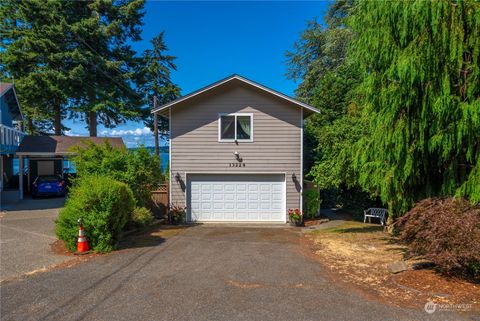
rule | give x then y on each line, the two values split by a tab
236	197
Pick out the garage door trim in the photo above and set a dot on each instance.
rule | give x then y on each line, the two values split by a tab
187	192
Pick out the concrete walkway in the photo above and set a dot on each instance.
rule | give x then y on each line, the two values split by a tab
26	232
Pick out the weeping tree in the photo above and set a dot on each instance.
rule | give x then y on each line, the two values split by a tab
420	89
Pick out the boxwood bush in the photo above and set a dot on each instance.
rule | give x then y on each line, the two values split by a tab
445	231
104	204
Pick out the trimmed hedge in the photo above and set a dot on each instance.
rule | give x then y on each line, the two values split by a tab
445	231
104	204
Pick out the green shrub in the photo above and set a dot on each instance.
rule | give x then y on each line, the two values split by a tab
138	168
141	217
104	204
311	202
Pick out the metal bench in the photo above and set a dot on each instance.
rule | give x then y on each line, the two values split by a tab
380	213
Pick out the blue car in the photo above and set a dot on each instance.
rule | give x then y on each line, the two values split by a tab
48	185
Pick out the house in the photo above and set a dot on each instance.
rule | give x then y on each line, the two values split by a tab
47	155
11	135
236	152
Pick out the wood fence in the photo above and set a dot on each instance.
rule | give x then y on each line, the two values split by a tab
159	204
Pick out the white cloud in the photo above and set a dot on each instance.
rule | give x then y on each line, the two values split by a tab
145	131
72	133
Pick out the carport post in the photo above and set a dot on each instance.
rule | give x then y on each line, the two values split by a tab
20	177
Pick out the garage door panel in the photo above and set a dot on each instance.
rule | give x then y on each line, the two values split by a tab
236	197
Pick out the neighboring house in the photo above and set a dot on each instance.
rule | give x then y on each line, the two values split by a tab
11	134
236	152
46	155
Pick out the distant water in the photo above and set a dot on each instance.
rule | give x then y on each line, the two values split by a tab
71	167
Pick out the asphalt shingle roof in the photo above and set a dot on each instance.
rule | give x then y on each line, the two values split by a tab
61	144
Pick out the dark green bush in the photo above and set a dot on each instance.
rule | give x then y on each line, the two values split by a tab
141	217
311	202
104	204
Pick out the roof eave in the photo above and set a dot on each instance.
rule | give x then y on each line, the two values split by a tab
220	82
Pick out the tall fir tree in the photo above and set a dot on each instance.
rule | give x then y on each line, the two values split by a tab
420	63
35	56
106	81
73	54
156	80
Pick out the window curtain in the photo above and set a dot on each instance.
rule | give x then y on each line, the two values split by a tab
244	128
228	131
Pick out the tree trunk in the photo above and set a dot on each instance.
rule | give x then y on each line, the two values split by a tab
92	123
58	119
390	220
30	129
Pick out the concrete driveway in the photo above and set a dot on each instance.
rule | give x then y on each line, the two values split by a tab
26	232
204	273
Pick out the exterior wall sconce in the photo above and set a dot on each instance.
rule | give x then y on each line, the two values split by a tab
177	177
294	177
237	155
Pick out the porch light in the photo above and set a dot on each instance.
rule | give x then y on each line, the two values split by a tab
237	155
178	177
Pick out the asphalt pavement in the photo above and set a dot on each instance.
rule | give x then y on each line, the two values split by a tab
204	273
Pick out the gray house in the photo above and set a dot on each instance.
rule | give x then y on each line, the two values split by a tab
236	152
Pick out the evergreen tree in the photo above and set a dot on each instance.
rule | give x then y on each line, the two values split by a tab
156	80
106	80
420	63
35	56
73	54
329	78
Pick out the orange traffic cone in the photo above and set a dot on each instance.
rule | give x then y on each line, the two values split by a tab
82	245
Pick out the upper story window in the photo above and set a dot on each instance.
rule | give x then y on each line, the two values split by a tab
235	127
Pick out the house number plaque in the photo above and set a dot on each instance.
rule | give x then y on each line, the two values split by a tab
236	165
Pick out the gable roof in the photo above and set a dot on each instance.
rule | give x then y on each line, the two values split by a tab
8	90
228	79
60	145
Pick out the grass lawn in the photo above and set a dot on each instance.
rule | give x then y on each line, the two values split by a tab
358	256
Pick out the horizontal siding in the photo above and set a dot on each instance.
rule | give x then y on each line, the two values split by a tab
276	134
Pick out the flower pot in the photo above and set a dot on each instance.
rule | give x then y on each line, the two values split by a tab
296	223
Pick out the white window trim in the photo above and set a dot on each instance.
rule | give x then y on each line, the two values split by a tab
220	140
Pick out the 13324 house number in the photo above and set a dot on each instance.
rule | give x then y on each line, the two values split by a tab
236	165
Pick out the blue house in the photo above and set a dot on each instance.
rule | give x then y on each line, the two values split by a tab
11	135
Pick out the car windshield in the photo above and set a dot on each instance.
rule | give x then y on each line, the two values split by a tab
47	179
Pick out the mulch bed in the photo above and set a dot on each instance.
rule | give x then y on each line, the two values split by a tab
364	270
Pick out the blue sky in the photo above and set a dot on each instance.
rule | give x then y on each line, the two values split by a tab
213	40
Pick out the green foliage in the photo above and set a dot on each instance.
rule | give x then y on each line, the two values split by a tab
420	97
104	204
311	202
141	217
329	81
74	59
156	80
139	169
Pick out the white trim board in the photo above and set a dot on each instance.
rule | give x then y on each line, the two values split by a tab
228	79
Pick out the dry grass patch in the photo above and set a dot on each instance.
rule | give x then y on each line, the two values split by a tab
359	255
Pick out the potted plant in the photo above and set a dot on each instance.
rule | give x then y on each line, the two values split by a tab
295	216
176	214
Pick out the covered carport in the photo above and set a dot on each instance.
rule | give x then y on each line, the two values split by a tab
48	155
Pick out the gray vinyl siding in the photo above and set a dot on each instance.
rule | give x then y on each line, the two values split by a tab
276	146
